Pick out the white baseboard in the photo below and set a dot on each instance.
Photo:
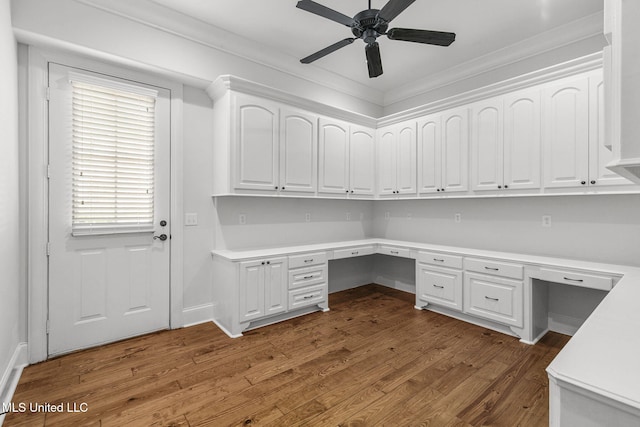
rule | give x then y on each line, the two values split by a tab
196	315
12	373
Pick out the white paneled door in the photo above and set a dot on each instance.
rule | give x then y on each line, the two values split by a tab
109	204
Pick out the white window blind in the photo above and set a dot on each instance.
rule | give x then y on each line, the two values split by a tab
113	159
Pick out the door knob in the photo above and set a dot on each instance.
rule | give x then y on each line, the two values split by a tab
162	237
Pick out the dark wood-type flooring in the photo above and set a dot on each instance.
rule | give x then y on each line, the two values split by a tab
372	360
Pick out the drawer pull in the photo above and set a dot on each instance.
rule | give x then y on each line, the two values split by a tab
308	277
491	268
491	299
308	260
394	252
308	297
438	260
438	286
574	280
354	253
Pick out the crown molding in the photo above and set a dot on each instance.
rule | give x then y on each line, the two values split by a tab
572	32
161	18
226	83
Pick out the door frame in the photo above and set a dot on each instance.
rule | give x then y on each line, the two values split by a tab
36	139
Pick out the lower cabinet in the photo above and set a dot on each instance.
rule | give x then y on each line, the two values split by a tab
262	288
258	292
494	298
439	286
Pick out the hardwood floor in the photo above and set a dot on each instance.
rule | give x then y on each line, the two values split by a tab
372	360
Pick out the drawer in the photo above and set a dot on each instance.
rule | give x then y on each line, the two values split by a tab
443	260
439	286
307	296
494	298
304	260
495	268
351	252
393	251
584	280
305	276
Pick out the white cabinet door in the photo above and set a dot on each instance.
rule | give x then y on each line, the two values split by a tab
251	291
387	161
487	145
522	140
275	286
333	163
298	148
256	143
406	163
362	164
566	134
599	154
455	150
262	288
429	154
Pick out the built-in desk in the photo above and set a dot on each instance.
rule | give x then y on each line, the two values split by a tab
594	381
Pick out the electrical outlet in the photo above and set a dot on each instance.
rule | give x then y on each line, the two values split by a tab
457	218
348	216
387	215
307	217
546	220
242	219
190	219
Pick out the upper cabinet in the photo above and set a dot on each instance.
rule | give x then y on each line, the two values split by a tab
298	148
575	152
346	163
256	143
566	133
505	142
397	164
443	152
265	147
549	138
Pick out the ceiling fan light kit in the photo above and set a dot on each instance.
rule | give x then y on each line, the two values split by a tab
370	24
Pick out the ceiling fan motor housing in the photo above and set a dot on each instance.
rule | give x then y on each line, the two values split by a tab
369	28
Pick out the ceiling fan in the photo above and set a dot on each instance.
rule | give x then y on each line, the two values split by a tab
370	24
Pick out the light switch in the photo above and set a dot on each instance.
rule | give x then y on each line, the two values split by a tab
190	219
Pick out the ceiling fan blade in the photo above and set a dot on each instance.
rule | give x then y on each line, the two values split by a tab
438	38
327	50
392	9
325	12
374	61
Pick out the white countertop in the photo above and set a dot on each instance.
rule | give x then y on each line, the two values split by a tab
603	357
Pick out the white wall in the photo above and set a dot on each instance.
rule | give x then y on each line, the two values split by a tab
273	221
9	197
73	25
197	181
593	228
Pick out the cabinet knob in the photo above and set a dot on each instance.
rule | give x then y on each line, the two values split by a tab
593	182
499	186
276	187
262	262
583	182
282	188
443	189
346	191
268	262
506	186
438	190
351	191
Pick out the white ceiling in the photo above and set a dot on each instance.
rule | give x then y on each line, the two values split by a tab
482	27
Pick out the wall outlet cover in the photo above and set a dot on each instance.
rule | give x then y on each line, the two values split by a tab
546	220
242	219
